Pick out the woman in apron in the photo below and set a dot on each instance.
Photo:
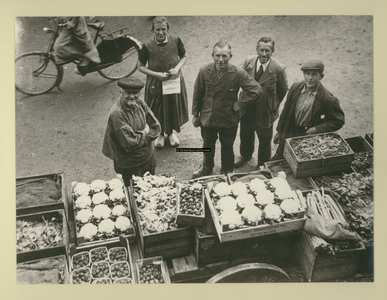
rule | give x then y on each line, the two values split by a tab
164	56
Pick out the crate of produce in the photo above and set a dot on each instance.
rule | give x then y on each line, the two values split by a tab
190	204
153	200
101	211
370	138
321	259
101	259
254	206
40	193
209	250
41	235
103	280
52	270
318	154
363	159
81	276
277	166
354	192
152	270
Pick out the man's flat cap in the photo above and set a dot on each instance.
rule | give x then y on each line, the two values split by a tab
131	84
313	64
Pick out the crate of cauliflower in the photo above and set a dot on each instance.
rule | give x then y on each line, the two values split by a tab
101	211
255	205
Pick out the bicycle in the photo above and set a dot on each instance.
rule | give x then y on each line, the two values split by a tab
37	72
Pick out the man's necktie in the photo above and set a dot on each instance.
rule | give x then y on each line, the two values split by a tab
259	74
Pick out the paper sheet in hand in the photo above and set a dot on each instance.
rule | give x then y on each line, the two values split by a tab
171	86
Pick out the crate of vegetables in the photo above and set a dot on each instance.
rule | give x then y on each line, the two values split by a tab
101	212
318	154
40	193
154	204
363	159
254	206
328	259
190	204
81	276
52	270
370	138
41	235
113	261
152	270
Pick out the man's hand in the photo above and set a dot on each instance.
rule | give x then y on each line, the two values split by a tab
147	128
163	76
196	121
276	139
311	130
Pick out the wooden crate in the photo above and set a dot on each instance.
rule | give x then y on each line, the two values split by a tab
80	241
209	250
327	267
151	260
61	249
359	144
276	166
189	220
121	242
60	204
66	277
370	138
366	264
169	244
252	231
320	166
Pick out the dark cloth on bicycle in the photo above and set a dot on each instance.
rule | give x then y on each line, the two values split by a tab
126	142
75	43
170	110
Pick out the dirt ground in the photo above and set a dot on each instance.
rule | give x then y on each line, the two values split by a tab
63	130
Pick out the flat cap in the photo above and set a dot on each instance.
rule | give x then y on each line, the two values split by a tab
313	64
132	84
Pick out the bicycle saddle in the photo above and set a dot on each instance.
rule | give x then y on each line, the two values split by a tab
97	25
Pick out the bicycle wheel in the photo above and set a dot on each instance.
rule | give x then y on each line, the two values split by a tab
36	73
126	66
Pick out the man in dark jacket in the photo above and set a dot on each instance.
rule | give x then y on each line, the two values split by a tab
261	113
309	108
215	106
130	132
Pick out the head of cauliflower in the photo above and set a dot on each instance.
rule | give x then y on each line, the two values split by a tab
101	211
232	218
227	203
238	188
98	185
252	214
106	226
117	194
272	211
118	210
99	198
84	215
82	202
257	185
81	189
115	183
264	197
222	189
88	231
122	223
290	206
245	199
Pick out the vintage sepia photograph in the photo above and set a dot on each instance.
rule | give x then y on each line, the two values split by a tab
194	149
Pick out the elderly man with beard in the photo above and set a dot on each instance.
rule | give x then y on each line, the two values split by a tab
131	130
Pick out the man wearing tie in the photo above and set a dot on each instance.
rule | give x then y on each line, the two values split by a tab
260	115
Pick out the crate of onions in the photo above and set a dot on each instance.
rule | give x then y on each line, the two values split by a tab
254	206
101	212
152	270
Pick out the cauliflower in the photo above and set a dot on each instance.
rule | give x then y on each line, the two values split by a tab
272	211
98	185
231	218
252	214
245	199
284	192
118	210
257	185
279	182
81	189
238	188
101	211
115	183
290	206
88	231
106	226
117	194
82	202
84	215
99	198
222	189
122	223
265	197
227	203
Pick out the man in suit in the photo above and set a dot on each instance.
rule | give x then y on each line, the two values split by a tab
260	115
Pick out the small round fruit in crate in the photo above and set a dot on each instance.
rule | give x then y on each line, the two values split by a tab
117	254
120	270
105	280
81	276
80	260
100	269
99	254
151	273
123	281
